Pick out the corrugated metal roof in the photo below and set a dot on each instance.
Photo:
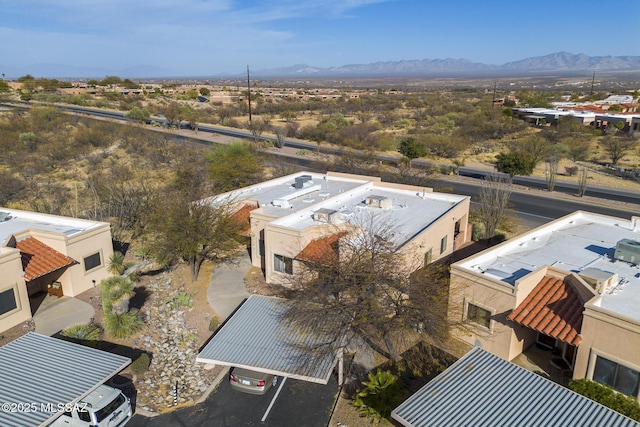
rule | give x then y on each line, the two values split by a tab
482	389
37	369
256	338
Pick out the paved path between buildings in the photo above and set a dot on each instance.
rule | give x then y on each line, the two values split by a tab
56	314
226	291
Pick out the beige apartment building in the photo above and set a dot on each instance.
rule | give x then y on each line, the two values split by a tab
48	253
306	214
572	286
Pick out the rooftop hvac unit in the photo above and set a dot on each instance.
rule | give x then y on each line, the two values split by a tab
302	180
628	250
600	280
281	203
378	202
328	216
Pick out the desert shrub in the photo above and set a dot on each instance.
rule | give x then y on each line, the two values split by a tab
141	364
116	292
122	325
571	170
116	263
626	405
213	325
183	299
86	334
379	395
476	232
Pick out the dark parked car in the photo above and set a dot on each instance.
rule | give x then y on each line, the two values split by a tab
251	382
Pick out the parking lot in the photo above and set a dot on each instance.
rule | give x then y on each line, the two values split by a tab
291	403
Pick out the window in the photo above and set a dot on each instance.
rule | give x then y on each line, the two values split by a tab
8	302
443	245
479	315
283	264
92	261
428	257
619	377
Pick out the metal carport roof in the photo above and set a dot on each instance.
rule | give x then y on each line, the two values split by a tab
481	389
256	337
36	369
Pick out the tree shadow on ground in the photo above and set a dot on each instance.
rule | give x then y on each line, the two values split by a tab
139	298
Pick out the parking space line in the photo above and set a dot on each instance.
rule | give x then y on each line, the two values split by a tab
275	396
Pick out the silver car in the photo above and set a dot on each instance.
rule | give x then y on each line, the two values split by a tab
251	382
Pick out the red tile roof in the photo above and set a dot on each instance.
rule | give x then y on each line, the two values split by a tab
39	259
243	216
323	250
552	308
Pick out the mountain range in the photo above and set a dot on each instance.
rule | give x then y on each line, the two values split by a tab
555	62
560	62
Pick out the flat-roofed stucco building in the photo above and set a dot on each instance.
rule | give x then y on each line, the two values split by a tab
306	214
48	253
572	285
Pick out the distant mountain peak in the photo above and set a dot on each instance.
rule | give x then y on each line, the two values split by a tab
554	62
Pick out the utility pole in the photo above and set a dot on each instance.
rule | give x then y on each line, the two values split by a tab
249	93
494	94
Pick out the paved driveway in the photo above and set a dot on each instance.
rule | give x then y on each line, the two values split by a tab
298	403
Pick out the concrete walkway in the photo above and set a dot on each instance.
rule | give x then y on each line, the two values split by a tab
56	314
226	291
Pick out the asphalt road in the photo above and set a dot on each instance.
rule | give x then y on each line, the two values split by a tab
547	206
528	205
298	404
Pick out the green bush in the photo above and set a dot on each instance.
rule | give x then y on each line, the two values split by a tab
183	299
379	395
87	334
124	324
626	405
476	232
140	365
115	289
213	325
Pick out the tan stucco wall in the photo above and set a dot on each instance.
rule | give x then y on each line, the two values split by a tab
431	237
85	244
281	241
506	339
98	239
614	337
498	298
11	278
259	222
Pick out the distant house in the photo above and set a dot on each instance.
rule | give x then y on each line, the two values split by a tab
306	214
47	253
572	285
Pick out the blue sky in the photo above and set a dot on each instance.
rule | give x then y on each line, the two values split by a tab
206	37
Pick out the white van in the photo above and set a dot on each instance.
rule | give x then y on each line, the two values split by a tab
103	407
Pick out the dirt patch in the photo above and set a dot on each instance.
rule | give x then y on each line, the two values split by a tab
16	332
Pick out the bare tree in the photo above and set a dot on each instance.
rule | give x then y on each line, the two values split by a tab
551	171
617	147
493	201
364	290
281	134
257	127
